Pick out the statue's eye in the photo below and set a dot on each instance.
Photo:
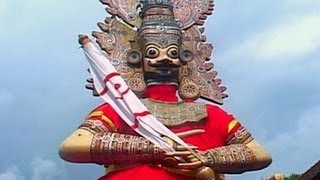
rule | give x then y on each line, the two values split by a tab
173	53
134	57
186	56
152	52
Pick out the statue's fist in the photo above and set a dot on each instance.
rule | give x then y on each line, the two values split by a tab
83	39
90	86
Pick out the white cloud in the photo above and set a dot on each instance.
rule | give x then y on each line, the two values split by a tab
44	169
291	37
41	169
11	174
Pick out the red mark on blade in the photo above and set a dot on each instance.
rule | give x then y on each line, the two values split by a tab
136	124
124	93
104	91
141	114
109	76
136	121
117	86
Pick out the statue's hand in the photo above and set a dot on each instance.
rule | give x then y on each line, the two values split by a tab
198	162
83	39
181	152
195	161
91	87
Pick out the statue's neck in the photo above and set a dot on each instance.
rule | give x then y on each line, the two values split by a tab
162	92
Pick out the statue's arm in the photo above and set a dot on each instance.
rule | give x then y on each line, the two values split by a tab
97	141
238	158
241	153
77	147
94	142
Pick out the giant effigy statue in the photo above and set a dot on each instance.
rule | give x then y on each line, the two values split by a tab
151	64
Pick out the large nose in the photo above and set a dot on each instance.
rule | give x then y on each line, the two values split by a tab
163	56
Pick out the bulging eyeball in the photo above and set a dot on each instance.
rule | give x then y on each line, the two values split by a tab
134	57
186	56
173	53
152	52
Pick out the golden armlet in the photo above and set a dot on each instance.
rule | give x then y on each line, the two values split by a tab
232	155
115	148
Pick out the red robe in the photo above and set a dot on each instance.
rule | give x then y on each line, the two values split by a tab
217	126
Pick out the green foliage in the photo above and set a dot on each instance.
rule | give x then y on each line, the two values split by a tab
292	177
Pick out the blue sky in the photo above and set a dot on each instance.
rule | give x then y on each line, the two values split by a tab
266	52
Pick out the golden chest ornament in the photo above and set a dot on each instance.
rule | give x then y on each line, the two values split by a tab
176	113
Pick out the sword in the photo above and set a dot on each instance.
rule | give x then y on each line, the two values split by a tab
113	89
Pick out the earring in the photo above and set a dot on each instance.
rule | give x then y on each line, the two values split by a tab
188	90
137	84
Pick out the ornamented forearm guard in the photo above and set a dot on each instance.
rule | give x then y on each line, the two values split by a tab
231	158
114	148
93	126
236	156
241	136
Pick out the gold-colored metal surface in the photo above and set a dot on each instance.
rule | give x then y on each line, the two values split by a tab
237	158
173	114
240	136
205	173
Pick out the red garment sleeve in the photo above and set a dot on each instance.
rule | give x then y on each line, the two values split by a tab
107	115
222	124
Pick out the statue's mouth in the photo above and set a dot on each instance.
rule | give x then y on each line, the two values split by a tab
165	65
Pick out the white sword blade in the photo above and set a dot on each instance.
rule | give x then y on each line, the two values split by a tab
114	91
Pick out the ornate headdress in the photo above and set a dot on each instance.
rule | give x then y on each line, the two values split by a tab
135	23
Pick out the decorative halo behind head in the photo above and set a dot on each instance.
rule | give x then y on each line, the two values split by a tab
161	23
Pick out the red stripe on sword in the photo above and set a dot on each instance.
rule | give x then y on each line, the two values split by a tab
123	93
109	76
136	121
104	91
106	79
